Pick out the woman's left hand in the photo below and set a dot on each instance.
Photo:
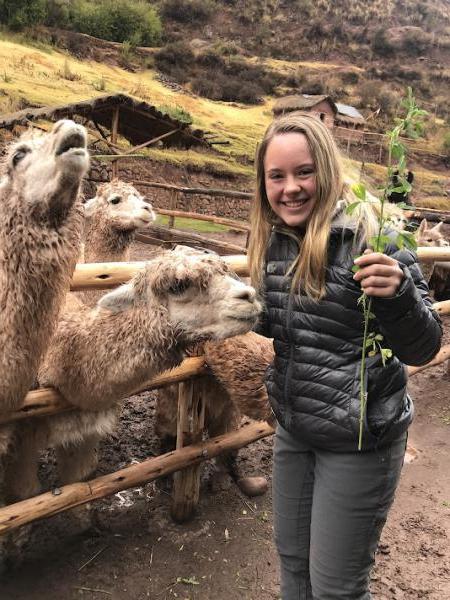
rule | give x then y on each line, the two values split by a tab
379	274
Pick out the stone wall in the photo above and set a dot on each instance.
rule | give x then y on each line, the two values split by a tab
134	170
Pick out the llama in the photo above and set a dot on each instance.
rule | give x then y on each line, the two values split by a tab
236	388
431	236
101	354
112	218
40	234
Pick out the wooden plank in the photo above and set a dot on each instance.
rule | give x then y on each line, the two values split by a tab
47	401
99	276
69	496
189	190
155	234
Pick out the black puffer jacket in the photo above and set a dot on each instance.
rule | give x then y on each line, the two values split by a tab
313	383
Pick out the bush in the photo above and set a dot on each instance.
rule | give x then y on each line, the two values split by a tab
446	145
229	89
350	77
18	14
416	43
117	20
381	45
174	57
313	88
58	13
188	11
178	113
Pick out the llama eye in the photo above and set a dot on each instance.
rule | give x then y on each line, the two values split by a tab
115	200
18	156
179	286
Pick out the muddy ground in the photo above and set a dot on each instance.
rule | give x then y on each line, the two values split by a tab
226	552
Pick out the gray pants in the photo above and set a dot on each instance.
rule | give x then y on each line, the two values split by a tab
329	511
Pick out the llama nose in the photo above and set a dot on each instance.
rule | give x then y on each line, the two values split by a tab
246	293
147	207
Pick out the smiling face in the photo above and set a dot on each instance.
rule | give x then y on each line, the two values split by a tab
290	178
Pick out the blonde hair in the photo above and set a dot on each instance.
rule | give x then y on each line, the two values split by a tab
310	265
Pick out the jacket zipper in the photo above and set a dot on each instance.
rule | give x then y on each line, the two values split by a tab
287	382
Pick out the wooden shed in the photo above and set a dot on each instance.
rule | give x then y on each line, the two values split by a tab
137	121
349	116
322	105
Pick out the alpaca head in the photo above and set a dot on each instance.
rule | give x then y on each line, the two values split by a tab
120	205
201	297
43	170
430	236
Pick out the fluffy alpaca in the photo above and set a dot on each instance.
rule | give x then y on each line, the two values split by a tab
101	354
235	388
431	236
112	218
40	232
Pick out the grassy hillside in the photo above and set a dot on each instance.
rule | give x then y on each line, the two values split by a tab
41	75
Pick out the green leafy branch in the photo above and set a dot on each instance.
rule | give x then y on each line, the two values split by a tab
411	126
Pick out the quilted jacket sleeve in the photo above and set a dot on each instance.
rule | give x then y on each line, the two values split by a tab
407	321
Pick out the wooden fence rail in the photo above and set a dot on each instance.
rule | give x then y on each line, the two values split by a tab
48	504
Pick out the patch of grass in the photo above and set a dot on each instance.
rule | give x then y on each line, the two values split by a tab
192	224
197	161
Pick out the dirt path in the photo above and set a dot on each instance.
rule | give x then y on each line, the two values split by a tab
227	552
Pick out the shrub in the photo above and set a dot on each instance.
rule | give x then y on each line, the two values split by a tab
369	93
18	14
315	87
58	13
117	20
446	145
207	87
174	56
211	59
416	42
188	11
350	77
381	45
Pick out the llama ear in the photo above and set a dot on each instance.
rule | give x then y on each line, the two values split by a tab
90	206
422	227
437	228
120	299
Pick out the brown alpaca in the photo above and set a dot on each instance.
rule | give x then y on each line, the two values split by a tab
236	388
40	231
112	218
102	354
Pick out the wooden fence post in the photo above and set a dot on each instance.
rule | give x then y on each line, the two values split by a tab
114	131
190	425
173	202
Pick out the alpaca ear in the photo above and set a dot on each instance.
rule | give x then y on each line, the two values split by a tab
422	227
120	299
90	206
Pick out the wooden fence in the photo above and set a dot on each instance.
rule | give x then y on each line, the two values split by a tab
191	402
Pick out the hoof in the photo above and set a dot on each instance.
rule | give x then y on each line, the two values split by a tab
252	486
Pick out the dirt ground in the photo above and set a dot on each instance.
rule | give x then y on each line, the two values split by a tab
226	552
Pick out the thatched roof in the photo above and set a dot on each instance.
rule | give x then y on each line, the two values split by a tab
138	121
349	115
300	102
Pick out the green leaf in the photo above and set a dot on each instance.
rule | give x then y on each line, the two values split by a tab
379	337
350	209
355	268
359	189
407	239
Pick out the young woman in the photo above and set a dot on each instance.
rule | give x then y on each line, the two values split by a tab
330	500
